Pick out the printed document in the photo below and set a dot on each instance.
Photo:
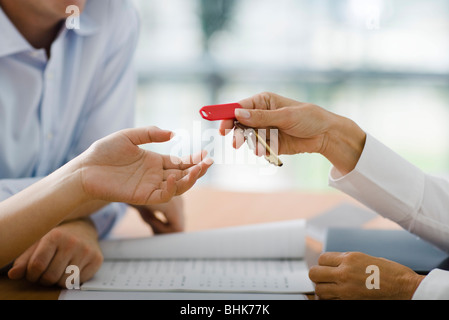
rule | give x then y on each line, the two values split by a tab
265	258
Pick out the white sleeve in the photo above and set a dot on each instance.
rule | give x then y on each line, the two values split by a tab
435	286
399	191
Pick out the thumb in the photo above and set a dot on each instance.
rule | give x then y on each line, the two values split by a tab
145	135
262	118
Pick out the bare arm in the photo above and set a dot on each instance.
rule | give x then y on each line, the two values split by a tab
112	169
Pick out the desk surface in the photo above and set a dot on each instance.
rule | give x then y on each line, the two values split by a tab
210	208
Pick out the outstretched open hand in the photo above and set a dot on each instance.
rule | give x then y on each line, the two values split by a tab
116	169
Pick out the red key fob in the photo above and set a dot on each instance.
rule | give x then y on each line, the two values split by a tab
219	111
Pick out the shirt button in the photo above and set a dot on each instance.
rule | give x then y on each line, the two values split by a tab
49	136
50	76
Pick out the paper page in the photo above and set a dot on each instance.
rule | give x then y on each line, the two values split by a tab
174	295
284	239
203	275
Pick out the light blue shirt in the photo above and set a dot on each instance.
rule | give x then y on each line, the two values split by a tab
51	110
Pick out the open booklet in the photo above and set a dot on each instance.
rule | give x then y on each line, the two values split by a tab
265	258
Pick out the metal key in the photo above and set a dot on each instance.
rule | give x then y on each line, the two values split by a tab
252	138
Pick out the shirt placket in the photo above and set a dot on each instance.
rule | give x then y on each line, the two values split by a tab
48	110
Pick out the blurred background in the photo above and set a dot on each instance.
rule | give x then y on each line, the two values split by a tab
384	64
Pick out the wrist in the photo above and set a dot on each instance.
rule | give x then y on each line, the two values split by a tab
411	284
69	179
345	141
85	225
83	202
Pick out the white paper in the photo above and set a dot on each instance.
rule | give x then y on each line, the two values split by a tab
173	295
256	258
203	275
284	239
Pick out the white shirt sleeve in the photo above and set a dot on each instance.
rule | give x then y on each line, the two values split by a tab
435	286
399	191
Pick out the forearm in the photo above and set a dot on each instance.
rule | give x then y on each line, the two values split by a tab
9	187
86	209
30	214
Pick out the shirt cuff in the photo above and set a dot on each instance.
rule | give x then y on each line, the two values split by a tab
435	286
384	182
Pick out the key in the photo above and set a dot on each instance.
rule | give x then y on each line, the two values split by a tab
252	138
226	112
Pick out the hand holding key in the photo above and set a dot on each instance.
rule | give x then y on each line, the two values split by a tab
302	128
258	140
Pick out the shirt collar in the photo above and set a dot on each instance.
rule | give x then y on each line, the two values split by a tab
12	41
88	26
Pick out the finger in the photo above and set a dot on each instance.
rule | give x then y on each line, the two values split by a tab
267	149
263	118
173	162
261	101
260	147
145	135
189	180
40	260
258	101
56	268
327	291
273	139
88	266
331	259
158	225
226	126
167	191
266	101
239	138
205	165
323	274
18	270
88	271
171	187
261	150
178	174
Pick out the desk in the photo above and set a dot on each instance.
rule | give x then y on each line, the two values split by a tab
211	208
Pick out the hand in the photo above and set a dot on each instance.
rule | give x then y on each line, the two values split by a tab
113	169
71	243
343	276
116	169
164	218
302	128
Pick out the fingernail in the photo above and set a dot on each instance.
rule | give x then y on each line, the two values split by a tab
242	113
